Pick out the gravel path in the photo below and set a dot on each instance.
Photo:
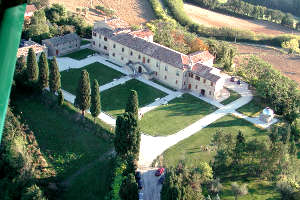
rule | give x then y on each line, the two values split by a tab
151	189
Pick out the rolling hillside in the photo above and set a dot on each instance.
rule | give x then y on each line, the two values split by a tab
132	11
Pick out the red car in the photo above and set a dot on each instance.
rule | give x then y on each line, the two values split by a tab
159	171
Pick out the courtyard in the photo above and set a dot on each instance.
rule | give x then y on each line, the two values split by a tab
176	115
103	74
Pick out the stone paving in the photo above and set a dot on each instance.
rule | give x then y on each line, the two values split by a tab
151	147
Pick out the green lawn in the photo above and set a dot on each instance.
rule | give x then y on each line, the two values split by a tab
178	114
252	109
104	74
233	96
84	42
65	143
189	149
91	185
114	100
81	54
257	190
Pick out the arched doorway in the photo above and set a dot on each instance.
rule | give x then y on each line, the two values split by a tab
203	92
140	70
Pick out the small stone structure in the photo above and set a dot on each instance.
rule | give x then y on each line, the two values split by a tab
267	115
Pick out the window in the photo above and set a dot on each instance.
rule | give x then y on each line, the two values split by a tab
114	45
131	53
196	86
204	80
139	56
99	45
166	68
155	73
209	92
165	77
148	60
184	83
192	75
157	64
122	58
122	49
105	38
105	47
176	82
211	84
114	54
93	42
197	78
177	73
94	33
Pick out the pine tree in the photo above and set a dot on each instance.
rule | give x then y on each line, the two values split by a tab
32	70
43	72
54	79
133	103
60	99
20	71
83	94
127	139
129	188
95	100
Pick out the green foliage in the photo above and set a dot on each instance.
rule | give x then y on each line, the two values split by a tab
292	45
132	105
39	3
276	90
129	188
159	10
127	139
183	183
55	13
60	98
54	78
107	11
239	190
38	28
32	70
95	99
33	193
83	98
43	72
20	71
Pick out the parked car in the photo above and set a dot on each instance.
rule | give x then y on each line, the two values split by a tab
232	79
159	171
138	175
140	184
161	179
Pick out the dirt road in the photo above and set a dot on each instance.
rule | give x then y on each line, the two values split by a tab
151	189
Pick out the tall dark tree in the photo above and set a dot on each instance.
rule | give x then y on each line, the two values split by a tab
32	70
129	188
133	103
127	139
20	70
95	100
60	98
43	72
54	79
83	93
239	149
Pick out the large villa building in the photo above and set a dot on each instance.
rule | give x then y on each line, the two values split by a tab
136	51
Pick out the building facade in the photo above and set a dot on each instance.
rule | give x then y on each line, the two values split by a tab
136	51
61	45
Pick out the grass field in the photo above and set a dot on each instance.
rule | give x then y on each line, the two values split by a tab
189	150
114	100
81	54
65	144
214	19
178	114
84	42
67	147
233	96
252	109
104	74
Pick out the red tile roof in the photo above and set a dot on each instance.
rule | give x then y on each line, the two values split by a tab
200	56
30	8
185	60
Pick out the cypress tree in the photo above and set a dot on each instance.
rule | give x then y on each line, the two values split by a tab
20	71
132	103
54	79
60	99
43	72
83	93
95	100
127	139
129	188
32	70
